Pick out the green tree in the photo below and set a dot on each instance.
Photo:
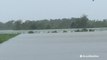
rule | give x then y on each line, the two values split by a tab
81	22
18	25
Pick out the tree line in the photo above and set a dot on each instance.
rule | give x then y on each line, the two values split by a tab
65	23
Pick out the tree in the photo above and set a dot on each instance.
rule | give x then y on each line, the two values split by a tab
84	21
81	22
18	25
9	25
2	26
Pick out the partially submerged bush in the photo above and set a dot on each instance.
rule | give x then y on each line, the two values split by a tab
78	30
54	32
30	32
64	31
84	30
91	30
48	32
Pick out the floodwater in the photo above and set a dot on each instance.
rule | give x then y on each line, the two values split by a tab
49	30
56	46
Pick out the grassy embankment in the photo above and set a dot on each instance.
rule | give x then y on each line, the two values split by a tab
5	37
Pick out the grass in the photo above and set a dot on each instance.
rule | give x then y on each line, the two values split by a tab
5	37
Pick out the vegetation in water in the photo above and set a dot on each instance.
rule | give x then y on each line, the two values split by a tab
64	31
30	32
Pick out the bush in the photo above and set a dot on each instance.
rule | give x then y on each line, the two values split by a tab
54	31
91	30
30	32
77	30
84	30
64	31
48	32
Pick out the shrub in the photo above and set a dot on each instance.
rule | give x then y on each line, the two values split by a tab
84	30
64	31
77	30
54	31
91	30
30	32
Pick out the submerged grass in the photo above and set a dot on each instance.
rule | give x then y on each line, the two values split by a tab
5	37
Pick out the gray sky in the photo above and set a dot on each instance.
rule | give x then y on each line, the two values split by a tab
46	9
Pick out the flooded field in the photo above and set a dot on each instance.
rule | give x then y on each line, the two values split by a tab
50	30
56	46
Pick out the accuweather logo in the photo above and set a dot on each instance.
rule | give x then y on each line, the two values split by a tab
89	56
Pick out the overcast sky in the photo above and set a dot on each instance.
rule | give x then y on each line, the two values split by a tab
51	9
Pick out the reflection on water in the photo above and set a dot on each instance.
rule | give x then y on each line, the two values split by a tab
55	46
